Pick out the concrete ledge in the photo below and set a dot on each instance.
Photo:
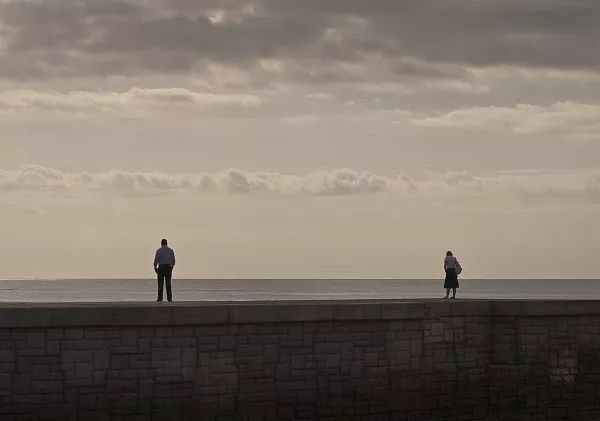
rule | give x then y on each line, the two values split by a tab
15	315
280	312
76	316
193	315
529	308
404	310
25	317
354	311
144	316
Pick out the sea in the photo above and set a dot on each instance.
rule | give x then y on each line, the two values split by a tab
140	290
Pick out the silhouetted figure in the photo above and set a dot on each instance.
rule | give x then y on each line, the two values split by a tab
164	260
452	269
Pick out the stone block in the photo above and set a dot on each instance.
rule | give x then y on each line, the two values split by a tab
119	362
291	385
440	356
332	361
188	356
52	347
223	379
121	385
201	376
222	365
263	339
7	356
4	381
227	342
183	331
92	344
179	342
39	372
143	360
166	354
129	337
249	350
46	386
96	333
327	348
416	347
395	345
435	328
144	345
479	328
73	333
73	356
163	331
371	359
36	338
298	361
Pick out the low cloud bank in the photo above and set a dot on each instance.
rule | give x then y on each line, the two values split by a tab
567	118
80	101
584	184
231	181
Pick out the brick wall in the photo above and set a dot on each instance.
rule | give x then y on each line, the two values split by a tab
463	360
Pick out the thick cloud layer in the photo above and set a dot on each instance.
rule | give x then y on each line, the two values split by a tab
310	39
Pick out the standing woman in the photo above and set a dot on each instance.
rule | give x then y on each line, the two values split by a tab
452	269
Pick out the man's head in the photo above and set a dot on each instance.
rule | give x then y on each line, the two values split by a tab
163	242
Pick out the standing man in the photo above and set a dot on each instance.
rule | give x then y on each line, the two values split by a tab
164	260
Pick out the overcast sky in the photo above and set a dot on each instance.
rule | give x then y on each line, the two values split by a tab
293	138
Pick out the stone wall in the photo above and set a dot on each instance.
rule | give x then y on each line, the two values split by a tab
438	360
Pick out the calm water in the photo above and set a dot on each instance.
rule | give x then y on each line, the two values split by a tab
112	290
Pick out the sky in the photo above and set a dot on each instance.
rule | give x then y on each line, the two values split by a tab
288	138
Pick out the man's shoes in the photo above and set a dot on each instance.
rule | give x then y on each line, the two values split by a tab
170	301
159	301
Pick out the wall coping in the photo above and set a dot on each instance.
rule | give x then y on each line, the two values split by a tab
14	315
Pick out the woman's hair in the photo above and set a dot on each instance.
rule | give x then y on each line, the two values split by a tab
448	253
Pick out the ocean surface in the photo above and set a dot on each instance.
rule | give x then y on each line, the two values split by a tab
115	290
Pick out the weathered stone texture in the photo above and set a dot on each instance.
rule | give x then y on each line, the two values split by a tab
383	361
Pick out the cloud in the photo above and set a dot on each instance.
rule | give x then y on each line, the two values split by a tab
231	181
296	58
32	177
571	118
573	185
312	38
319	95
568	185
342	182
21	99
